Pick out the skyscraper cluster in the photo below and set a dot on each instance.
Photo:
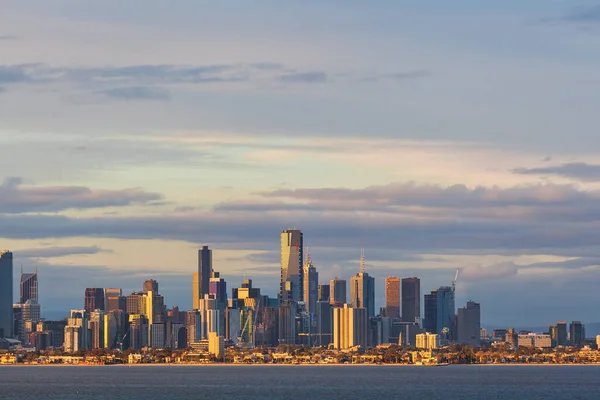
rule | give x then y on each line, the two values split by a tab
337	313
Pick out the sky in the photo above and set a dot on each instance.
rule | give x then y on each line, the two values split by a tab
436	135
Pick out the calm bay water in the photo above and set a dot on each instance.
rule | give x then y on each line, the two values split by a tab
301	382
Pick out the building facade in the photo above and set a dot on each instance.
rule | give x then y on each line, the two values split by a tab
430	322
469	324
94	299
350	327
392	297
362	292
337	292
291	284
311	287
411	300
6	294
28	287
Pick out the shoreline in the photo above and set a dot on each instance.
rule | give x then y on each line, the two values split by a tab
300	365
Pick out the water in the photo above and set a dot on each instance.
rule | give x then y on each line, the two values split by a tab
301	382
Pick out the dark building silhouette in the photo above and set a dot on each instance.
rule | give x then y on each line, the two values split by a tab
430	323
323	293
411	299
29	287
577	331
204	271
94	299
561	333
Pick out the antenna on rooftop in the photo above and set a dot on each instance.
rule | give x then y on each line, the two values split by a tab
362	260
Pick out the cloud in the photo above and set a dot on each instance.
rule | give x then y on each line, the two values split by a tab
584	14
388	197
137	93
304	77
14	74
399	76
580	171
15	197
8	37
475	273
54	252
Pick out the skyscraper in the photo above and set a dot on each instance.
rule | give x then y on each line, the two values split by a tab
392	297
323	293
411	299
337	292
577	333
362	292
561	333
291	286
6	294
430	323
350	327
202	280
29	287
218	289
94	299
311	285
469	324
150	286
446	311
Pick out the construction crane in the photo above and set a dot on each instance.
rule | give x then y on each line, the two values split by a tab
120	342
454	281
254	318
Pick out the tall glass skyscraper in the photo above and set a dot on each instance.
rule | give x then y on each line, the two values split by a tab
29	287
205	270
446	310
392	297
362	292
411	299
311	287
291	286
6	293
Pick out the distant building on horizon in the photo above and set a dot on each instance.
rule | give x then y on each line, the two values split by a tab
150	285
201	278
392	297
577	333
93	299
6	294
291	283
28	287
430	322
311	287
350	327
469	324
411	300
362	292
446	313
337	292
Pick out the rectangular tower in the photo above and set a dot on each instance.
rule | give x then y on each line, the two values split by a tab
204	271
311	287
291	286
94	299
392	297
337	292
362	292
6	294
411	300
29	287
430	323
469	324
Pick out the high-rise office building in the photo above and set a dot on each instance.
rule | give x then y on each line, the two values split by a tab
76	333
96	327
6	294
350	327
218	289
202	277
94	299
362	292
150	285
562	338
392	297
323	293
135	303
291	285
577	333
411	300
114	300
446	312
324	324
29	287
469	324
337	292
287	321
311	287
430	323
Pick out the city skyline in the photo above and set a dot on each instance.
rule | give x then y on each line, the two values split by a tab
461	138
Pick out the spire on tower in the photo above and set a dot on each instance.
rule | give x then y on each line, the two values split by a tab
362	260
